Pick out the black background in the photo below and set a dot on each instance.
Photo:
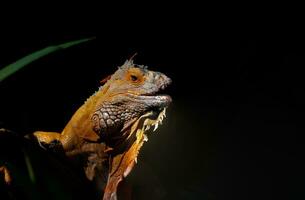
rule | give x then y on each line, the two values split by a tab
235	128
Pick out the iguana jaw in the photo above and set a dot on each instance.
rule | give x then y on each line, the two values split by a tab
114	119
155	105
154	109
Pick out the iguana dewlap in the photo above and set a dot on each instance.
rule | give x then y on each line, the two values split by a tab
113	121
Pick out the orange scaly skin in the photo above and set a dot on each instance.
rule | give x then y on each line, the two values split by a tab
78	129
110	125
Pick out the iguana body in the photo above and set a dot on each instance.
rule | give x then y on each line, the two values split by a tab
109	128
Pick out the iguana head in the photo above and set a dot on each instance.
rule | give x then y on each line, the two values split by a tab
131	100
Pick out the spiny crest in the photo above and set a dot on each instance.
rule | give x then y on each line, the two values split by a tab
121	71
129	63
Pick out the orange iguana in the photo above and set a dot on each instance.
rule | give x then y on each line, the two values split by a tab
105	134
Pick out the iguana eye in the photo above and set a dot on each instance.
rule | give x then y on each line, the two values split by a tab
133	78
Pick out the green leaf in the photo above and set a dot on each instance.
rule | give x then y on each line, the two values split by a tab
29	167
12	68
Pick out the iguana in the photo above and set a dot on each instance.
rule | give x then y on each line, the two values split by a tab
105	134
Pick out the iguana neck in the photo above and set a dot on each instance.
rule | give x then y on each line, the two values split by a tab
79	128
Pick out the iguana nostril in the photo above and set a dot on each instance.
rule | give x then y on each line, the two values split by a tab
165	81
168	80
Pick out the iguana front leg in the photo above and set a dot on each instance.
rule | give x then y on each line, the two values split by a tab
46	137
71	137
49	139
52	139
